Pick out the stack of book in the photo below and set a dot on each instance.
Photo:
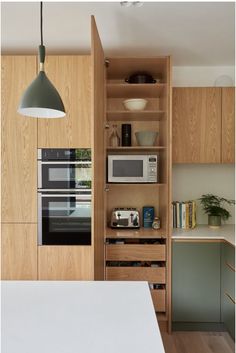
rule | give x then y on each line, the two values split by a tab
184	214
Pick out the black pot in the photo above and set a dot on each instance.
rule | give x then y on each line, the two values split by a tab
140	77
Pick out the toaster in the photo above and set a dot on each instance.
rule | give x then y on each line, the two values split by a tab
125	218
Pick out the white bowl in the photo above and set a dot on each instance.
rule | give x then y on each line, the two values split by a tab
135	104
146	138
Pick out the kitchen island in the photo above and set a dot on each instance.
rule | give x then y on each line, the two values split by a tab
76	317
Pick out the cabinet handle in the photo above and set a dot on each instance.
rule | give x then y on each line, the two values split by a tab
230	266
229	296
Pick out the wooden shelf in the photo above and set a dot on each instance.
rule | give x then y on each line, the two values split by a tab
143	233
136	90
144	115
136	148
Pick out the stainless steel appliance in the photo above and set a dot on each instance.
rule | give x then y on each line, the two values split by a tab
64	197
64	169
125	218
133	168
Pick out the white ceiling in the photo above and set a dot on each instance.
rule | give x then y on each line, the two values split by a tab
194	33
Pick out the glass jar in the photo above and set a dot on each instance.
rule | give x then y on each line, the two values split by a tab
156	223
114	139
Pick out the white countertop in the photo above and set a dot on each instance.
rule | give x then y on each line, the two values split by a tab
225	232
78	317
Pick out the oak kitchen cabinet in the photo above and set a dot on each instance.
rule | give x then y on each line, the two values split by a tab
195	284
19	143
71	74
65	263
19	251
228	125
203	125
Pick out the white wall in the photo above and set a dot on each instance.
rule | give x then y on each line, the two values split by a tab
193	180
190	181
200	76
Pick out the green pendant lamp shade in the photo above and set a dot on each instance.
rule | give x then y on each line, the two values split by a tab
41	99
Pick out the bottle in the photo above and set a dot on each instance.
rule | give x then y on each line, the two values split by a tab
114	139
126	134
156	223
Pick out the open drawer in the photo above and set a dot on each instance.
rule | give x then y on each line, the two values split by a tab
152	275
136	252
159	299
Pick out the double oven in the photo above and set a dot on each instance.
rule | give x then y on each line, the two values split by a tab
64	196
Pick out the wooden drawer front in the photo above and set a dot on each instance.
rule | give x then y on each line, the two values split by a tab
153	275
135	252
159	299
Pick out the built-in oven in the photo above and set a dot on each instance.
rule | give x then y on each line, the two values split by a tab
64	169
64	219
64	196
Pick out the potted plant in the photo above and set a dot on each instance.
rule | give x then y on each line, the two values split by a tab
212	205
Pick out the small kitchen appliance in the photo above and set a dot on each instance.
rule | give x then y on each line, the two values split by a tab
125	218
133	168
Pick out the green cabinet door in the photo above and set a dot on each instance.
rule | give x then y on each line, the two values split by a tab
196	282
228	287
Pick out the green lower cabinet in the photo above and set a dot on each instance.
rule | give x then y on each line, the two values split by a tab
228	287
196	285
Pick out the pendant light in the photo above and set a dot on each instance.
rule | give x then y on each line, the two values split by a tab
41	99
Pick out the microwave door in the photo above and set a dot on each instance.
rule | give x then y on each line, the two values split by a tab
127	169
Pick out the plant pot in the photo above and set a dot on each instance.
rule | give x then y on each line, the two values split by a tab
214	221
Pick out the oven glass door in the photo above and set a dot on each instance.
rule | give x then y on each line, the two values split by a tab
70	175
65	220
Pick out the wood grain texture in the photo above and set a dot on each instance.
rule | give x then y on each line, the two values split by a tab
73	263
19	252
71	75
198	342
196	125
19	143
98	151
159	299
152	275
136	252
228	125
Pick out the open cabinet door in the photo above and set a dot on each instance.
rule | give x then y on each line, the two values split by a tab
98	151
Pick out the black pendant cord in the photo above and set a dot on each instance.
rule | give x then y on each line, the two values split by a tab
41	47
41	22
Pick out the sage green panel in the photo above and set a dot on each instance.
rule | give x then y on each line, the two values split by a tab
228	286
195	282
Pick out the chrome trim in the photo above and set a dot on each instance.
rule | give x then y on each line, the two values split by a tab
39	153
62	190
65	162
39	176
40	235
78	196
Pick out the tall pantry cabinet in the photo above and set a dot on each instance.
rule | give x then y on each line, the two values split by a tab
142	254
19	173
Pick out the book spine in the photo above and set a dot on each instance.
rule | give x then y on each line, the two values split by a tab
180	214
183	215
190	214
177	214
186	215
194	220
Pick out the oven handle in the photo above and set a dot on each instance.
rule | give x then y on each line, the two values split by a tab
65	162
78	197
55	190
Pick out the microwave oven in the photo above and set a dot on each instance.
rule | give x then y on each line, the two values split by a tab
132	169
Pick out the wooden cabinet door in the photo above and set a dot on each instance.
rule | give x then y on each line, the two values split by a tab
98	151
228	125
71	75
65	263
19	143
196	125
19	251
